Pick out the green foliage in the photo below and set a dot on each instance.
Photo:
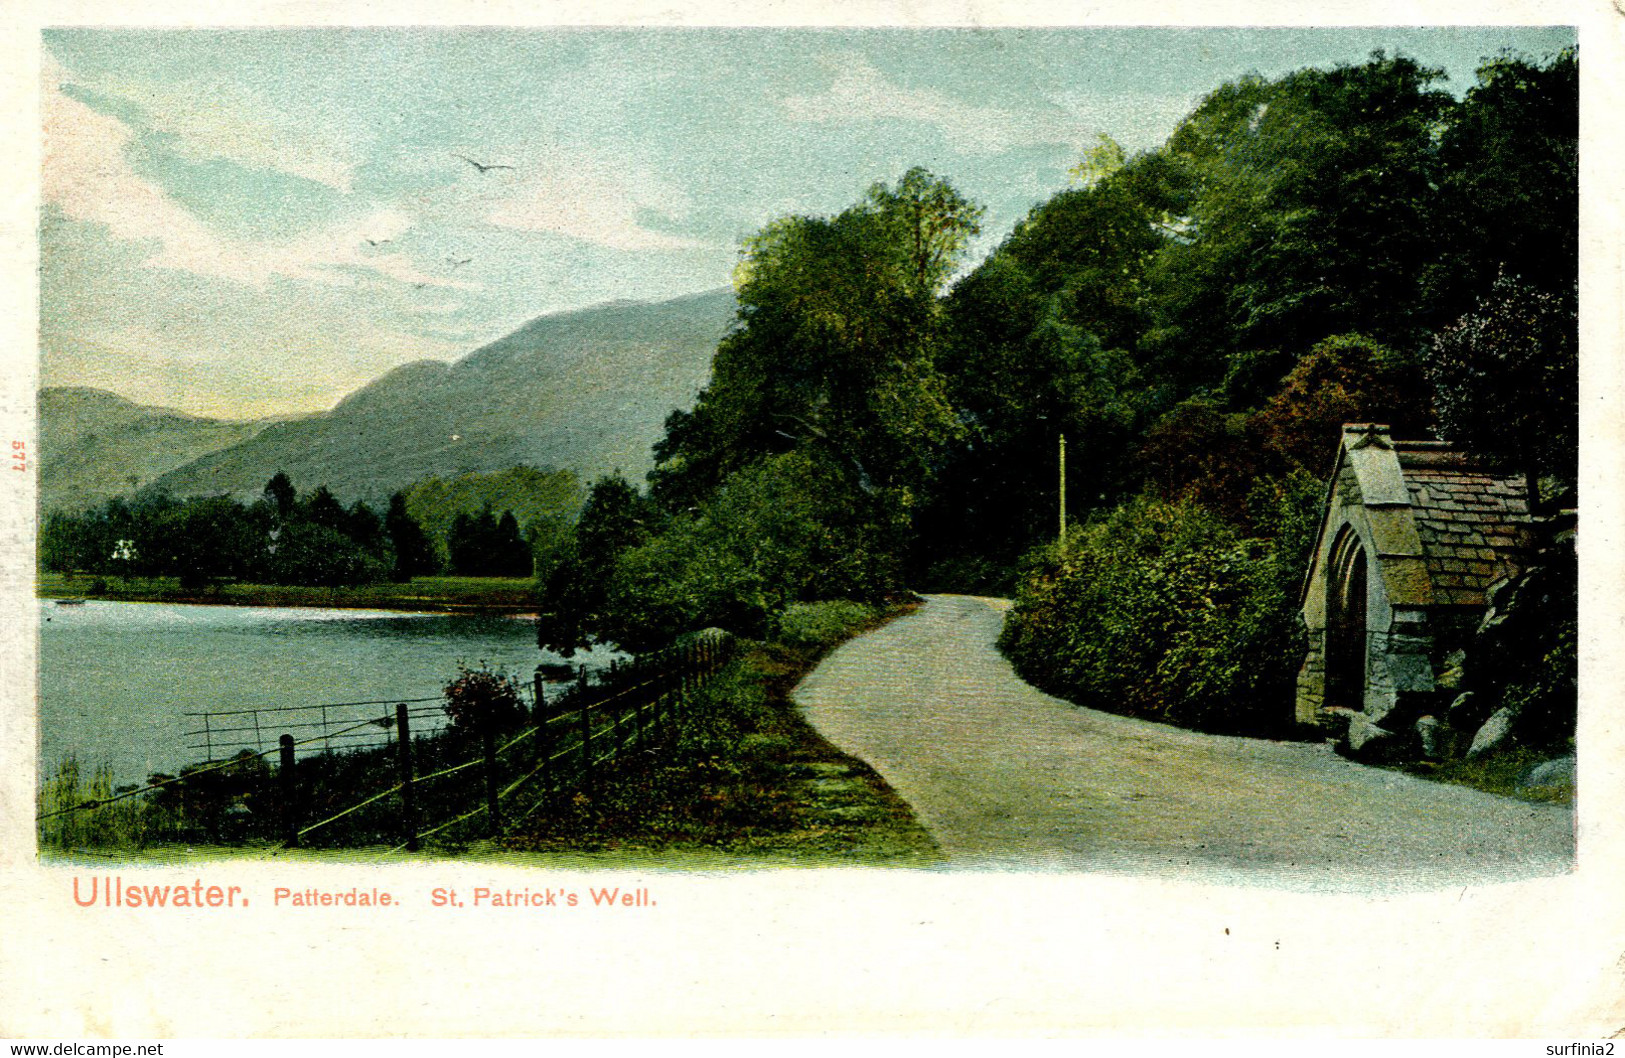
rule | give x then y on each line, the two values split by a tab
1507	378
539	499
487	546
122	824
414	554
834	348
209	541
1020	374
817	626
481	700
309	553
1510	156
797	474
280	493
788	529
575	590
1163	611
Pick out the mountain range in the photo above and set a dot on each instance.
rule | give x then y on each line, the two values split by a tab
586	390
95	445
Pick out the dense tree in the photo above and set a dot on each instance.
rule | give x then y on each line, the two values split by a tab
322	508
1312	206
834	348
414	554
280	494
485	545
310	553
202	541
615	519
1345	378
363	525
1507	381
790	528
1510	194
1039	348
534	495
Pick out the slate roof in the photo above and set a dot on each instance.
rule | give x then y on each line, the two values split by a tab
1472	519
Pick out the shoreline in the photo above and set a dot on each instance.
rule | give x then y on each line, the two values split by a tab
434	595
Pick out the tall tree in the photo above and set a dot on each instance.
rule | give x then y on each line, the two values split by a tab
1312	211
280	493
834	347
1510	185
1506	377
615	519
414	554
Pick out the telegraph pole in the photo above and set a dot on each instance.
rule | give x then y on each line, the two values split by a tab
1063	489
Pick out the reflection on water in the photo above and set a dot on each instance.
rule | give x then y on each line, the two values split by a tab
116	678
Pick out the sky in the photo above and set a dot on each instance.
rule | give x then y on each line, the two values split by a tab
258	222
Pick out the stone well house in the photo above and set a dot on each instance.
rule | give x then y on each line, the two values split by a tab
1412	535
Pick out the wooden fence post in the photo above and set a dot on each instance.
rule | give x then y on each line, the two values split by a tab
290	806
403	750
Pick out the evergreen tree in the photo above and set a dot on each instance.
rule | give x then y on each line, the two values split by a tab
414	554
280	494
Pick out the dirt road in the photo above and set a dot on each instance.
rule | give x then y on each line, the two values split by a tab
1006	776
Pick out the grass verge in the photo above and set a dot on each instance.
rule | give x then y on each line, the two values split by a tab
749	777
421	594
1497	773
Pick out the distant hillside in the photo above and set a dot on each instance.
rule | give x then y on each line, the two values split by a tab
95	445
587	391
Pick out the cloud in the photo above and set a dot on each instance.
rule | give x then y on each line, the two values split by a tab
588	197
861	94
224	119
88	177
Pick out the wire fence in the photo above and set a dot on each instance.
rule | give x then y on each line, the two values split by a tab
261	727
393	773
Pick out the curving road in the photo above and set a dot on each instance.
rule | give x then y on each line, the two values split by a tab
1004	775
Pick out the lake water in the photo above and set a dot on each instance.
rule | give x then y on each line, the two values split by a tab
117	678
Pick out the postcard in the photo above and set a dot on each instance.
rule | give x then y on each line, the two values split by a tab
880	520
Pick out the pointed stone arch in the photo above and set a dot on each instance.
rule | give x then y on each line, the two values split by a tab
1347	632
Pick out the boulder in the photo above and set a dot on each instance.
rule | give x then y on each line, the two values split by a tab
1437	738
1559	772
1495	733
1335	720
1368	742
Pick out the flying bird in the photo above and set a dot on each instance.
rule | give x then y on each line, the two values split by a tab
483	167
377	242
456	264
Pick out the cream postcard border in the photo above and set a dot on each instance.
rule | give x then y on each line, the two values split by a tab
805	953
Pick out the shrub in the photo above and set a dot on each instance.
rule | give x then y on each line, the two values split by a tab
787	529
480	700
1163	611
820	625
